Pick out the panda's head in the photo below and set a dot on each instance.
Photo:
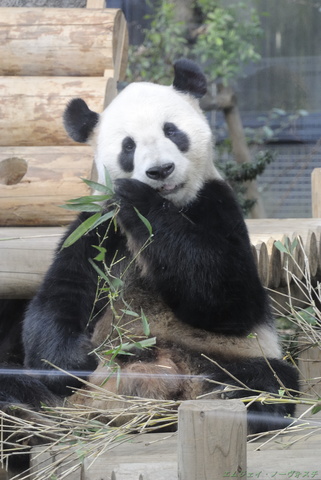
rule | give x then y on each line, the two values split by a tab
153	133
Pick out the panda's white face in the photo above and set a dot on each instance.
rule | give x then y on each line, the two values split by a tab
159	136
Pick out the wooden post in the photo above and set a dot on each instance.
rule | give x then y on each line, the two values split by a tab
96	4
211	439
316	192
227	102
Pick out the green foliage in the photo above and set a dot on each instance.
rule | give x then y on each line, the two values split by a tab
269	130
246	171
226	42
165	42
223	43
238	174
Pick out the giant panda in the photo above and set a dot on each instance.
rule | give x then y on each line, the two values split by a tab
194	279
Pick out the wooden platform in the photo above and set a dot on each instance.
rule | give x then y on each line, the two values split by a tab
26	252
210	444
154	457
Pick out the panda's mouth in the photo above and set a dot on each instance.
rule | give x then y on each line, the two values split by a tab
167	189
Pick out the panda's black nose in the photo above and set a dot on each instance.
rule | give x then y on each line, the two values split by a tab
160	172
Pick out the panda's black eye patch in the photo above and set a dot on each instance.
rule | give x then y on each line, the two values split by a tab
177	136
126	156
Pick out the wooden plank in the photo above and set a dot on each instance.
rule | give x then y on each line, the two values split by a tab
31	108
316	192
120	48
15	285
269	227
154	457
309	364
56	41
211	439
53	176
25	256
96	3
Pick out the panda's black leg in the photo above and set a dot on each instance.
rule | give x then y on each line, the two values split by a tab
250	377
21	398
61	317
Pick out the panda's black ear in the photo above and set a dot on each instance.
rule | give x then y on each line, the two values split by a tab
189	78
79	121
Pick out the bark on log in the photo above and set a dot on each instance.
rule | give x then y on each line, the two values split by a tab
31	108
51	41
53	177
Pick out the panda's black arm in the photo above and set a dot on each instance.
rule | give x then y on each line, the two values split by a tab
200	258
56	325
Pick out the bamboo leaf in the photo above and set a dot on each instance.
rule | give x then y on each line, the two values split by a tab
99	187
148	342
316	408
114	283
103	219
88	199
294	244
81	230
88	207
145	222
101	255
279	245
130	312
145	323
108	181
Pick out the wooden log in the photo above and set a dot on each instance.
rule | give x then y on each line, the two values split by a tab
281	226
22	275
263	262
31	108
310	368
95	3
254	252
311	251
25	256
299	257
309	365
53	177
120	48
316	192
287	264
211	439
58	41
275	265
317	232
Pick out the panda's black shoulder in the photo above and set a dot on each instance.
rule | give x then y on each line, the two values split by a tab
216	203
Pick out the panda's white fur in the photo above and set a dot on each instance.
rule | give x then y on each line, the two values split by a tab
150	106
196	282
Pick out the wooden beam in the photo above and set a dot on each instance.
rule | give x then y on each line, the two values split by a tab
25	256
211	439
31	108
13	280
53	176
316	192
96	4
57	41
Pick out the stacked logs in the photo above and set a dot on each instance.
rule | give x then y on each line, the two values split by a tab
276	266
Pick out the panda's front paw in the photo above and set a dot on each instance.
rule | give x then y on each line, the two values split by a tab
133	193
